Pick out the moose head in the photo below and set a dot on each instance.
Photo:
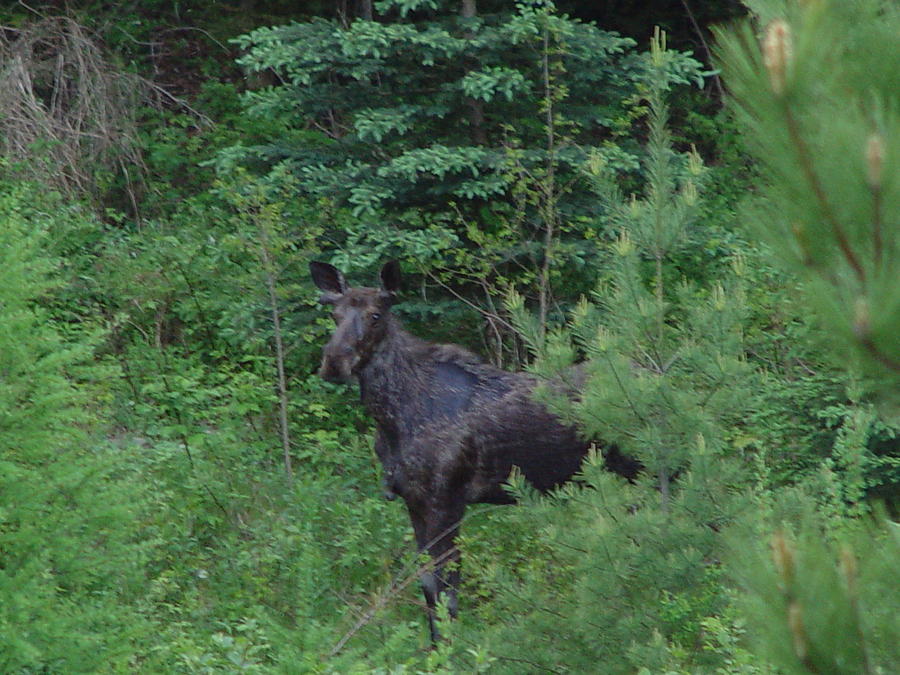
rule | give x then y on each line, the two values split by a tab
361	315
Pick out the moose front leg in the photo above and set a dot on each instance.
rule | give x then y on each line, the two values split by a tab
389	466
436	527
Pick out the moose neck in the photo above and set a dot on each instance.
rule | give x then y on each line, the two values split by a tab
389	381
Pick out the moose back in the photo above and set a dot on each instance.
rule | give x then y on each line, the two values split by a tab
449	428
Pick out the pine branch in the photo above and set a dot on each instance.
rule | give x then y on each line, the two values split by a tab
808	168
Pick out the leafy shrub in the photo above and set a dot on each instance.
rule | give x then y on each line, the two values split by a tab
71	549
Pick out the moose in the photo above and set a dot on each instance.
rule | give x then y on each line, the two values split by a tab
449	427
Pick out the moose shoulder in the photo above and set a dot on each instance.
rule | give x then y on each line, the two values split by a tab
449	428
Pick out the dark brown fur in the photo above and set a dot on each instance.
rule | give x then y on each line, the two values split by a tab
449	428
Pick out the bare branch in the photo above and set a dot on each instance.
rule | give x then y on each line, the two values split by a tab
67	112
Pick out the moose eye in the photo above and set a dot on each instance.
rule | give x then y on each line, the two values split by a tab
376	316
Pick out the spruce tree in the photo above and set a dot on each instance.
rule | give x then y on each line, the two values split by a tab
423	120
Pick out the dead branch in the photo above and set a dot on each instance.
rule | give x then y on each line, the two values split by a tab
68	114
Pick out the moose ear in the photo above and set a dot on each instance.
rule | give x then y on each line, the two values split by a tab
328	279
390	276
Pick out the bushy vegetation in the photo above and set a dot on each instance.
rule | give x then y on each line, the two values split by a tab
179	493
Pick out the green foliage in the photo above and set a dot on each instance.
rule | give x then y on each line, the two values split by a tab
637	568
456	141
820	604
261	561
665	368
818	99
600	574
70	551
147	521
